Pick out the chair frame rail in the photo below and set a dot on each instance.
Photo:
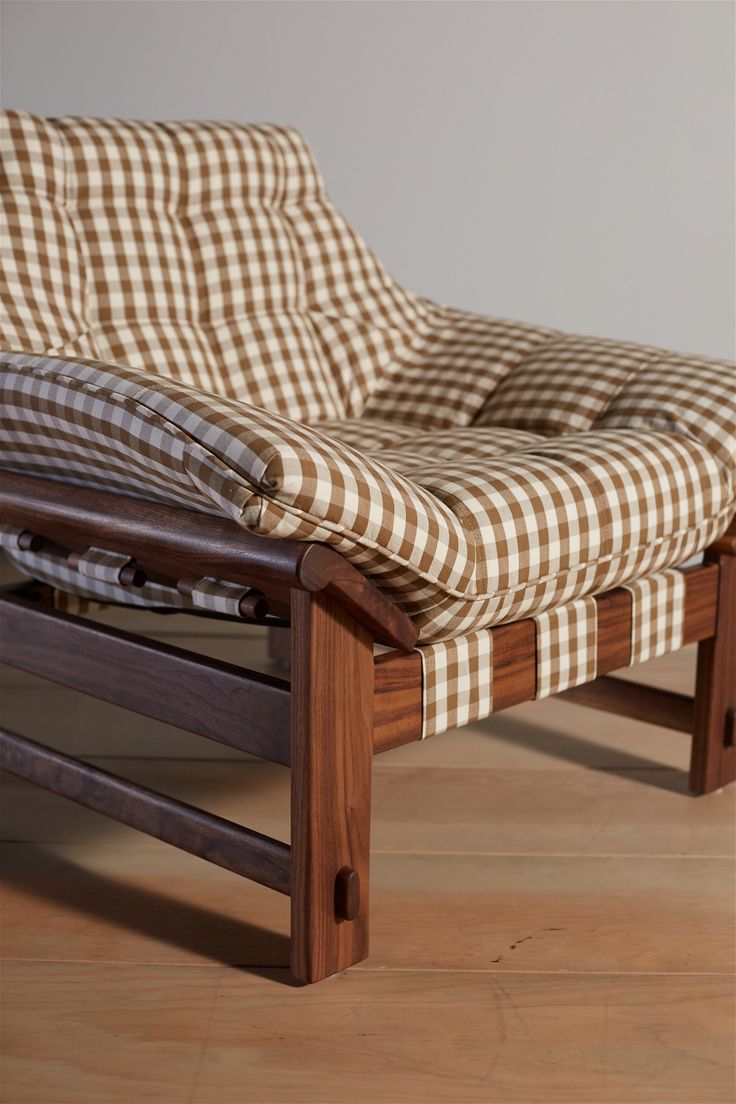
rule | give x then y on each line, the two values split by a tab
341	706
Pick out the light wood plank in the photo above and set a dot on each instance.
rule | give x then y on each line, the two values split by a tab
117	1034
542	931
546	812
428	810
520	913
550	735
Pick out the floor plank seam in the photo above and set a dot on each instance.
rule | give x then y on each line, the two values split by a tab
68	845
363	968
254	761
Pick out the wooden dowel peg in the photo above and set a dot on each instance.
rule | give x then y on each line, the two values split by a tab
30	542
132	575
254	605
347	893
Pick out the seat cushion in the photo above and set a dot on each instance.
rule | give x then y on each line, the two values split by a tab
183	297
464	527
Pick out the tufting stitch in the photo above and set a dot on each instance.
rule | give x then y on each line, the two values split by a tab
197	325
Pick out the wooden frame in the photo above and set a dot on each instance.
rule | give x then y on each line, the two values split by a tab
341	706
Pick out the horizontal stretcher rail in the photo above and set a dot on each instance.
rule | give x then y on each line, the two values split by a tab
634	699
179	544
230	704
245	852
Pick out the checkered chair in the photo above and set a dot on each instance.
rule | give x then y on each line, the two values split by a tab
190	327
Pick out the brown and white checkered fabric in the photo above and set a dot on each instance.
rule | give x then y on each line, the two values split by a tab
459	544
458	681
211	253
76	591
94	576
458	673
567	646
185	298
657	615
687	395
104	566
9	537
543	393
218	596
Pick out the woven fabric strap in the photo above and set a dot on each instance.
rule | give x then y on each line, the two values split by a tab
657	615
458	673
218	596
567	646
101	565
9	535
55	570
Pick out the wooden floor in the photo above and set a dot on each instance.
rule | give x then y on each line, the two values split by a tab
552	921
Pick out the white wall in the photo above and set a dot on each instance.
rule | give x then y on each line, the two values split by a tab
567	163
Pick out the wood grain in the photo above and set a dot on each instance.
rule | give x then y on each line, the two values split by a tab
713	762
232	705
483	838
632	699
398	1037
331	756
174	543
514	673
427	809
398	700
614	630
496	913
514	664
701	602
250	854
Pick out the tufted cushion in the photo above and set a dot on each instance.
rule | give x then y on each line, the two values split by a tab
207	252
196	324
464	527
211	253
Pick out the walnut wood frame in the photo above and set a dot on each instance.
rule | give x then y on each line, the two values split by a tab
340	708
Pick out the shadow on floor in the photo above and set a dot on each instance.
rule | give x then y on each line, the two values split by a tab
577	749
200	931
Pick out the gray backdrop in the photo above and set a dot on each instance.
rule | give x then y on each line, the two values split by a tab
565	163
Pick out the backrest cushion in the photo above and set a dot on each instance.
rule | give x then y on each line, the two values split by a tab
208	252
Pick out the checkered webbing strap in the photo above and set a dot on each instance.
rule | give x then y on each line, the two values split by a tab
101	565
657	615
10	538
94	577
458	674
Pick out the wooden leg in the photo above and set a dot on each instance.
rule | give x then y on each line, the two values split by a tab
331	756
279	648
713	762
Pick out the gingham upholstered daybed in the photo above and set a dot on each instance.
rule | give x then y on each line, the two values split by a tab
205	368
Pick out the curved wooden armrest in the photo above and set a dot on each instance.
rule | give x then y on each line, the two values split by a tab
177	543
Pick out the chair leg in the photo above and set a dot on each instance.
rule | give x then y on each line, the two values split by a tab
279	648
331	757
713	762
